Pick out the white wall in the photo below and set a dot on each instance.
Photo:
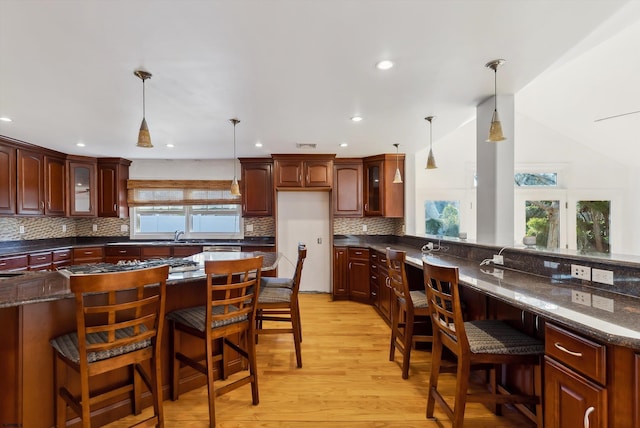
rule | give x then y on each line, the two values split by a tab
182	169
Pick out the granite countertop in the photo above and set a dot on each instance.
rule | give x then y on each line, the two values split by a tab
618	322
28	287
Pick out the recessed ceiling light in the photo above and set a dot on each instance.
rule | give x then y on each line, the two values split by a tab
80	144
6	119
384	64
171	146
356	118
258	144
343	144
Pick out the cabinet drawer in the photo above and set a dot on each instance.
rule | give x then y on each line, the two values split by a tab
61	255
186	250
579	353
123	251
14	262
88	255
155	252
359	253
39	259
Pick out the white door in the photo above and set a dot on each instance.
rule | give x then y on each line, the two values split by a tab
304	217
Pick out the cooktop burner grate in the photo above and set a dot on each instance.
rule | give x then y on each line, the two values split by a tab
175	265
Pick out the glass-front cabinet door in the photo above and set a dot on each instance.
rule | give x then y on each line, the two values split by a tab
82	189
372	197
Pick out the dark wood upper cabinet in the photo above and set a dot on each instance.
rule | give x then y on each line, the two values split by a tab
303	171
55	180
113	174
83	188
382	197
347	188
257	187
7	180
30	179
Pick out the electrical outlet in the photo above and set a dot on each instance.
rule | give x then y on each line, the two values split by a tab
498	259
581	297
602	276
124	228
364	227
581	272
94	227
602	303
249	228
21	229
498	273
64	228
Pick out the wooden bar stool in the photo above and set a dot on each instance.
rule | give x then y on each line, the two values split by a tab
476	344
407	305
119	324
229	313
278	301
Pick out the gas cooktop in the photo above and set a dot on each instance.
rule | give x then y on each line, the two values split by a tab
175	265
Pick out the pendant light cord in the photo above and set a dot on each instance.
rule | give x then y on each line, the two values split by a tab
234	150
495	89
143	100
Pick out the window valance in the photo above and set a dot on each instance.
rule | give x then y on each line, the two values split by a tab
180	192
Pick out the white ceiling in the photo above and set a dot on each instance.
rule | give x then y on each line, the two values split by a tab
293	71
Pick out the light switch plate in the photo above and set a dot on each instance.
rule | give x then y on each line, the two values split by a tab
94	227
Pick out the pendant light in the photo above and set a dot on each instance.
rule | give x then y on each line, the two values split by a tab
144	139
495	131
431	160
235	188
397	179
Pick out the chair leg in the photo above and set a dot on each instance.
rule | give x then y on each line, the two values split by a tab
85	398
174	348
462	383
537	386
253	366
436	361
295	327
210	388
137	390
61	404
407	344
395	319
156	388
299	324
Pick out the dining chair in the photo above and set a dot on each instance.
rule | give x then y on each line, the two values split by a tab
478	344
227	318
119	323
278	301
409	311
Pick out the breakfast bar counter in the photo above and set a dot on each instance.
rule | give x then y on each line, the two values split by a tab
37	306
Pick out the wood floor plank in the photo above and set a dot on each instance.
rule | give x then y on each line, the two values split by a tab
346	381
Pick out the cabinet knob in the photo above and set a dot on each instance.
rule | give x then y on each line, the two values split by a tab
115	207
587	413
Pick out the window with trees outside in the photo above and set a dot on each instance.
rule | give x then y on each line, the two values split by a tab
442	218
592	226
543	222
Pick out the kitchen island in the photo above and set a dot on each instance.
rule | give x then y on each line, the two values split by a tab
37	306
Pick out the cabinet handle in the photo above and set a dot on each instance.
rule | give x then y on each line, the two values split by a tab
387	282
122	251
42	204
522	317
537	323
587	413
374	294
41	258
3	264
115	207
366	207
49	204
563	349
88	253
349	265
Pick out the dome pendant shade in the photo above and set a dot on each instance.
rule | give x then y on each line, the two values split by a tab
495	131
397	179
144	139
235	187
431	161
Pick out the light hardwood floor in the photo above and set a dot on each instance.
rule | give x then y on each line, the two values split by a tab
346	380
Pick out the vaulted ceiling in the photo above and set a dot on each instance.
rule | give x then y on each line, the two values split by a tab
296	71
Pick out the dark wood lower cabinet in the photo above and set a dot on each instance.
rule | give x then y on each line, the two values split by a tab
358	275
572	400
340	278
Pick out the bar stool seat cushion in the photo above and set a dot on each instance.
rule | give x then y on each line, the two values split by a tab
276	282
195	317
275	295
497	337
67	345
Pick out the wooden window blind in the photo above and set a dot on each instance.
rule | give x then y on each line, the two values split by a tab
180	192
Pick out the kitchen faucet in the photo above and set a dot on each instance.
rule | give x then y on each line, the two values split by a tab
177	235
